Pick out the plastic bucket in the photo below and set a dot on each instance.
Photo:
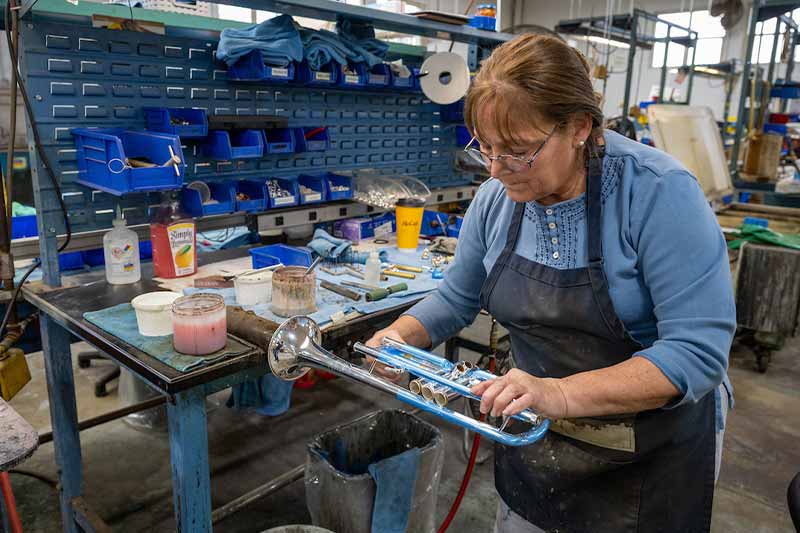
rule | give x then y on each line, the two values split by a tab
340	497
154	312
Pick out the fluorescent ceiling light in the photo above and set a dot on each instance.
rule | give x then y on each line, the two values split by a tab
602	40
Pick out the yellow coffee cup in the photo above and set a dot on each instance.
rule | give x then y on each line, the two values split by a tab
409	220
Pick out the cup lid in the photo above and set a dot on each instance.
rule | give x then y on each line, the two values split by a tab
410	202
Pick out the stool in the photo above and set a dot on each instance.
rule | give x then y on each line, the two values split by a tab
100	386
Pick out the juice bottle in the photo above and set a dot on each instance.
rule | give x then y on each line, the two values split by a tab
174	240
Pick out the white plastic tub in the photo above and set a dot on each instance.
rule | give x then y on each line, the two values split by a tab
154	312
253	289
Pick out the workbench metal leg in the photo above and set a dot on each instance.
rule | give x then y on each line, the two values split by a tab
188	443
63	415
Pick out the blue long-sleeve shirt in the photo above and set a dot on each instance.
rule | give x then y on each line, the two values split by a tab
665	260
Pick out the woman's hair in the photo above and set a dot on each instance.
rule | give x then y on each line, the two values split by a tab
533	79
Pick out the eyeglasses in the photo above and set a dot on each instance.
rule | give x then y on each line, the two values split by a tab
512	162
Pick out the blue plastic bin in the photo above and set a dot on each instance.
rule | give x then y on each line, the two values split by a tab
780	129
101	155
237	144
337	180
279	141
274	254
222	192
256	190
70	261
353	75
463	137
145	250
328	75
453	112
311	139
379	76
287	184
94	257
24	226
483	23
251	67
160	119
316	184
405	82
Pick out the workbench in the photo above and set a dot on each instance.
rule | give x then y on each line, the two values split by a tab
62	312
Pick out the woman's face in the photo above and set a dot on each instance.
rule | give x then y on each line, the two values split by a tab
554	171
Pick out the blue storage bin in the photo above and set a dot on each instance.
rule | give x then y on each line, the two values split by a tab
94	257
336	180
237	144
405	82
353	75
251	67
101	155
379	75
145	250
316	184
24	226
221	192
256	190
785	91
162	118
311	139
463	137
483	23
70	261
780	129
286	184
274	254
328	75
279	141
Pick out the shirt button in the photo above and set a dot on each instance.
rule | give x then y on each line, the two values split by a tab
552	225
554	240
555	255
548	212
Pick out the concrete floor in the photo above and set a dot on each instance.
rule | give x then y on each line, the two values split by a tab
127	471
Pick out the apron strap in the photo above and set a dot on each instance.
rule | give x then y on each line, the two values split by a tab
594	207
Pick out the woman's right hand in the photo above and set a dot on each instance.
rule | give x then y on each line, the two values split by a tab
375	342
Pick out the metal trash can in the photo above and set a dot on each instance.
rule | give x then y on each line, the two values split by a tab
343	500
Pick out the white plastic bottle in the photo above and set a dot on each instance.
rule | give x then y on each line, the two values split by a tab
372	269
121	251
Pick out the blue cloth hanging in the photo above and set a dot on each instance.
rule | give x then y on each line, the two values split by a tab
320	47
267	395
336	249
395	479
277	38
360	36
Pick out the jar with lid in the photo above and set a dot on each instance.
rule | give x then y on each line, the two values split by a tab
199	324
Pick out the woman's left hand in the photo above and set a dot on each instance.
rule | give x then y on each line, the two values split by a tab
517	390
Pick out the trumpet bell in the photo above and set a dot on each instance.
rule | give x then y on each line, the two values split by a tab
294	337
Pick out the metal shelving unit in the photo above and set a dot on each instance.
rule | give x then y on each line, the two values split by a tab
628	29
763	10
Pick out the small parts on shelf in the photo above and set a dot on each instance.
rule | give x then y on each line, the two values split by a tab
276	191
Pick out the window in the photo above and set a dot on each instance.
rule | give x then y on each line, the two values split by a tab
710	34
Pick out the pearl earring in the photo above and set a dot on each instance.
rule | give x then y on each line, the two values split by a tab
581	143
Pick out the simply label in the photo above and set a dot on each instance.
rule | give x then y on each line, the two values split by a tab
181	244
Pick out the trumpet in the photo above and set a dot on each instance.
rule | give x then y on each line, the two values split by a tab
295	349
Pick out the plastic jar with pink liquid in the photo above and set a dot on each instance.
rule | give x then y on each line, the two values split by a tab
199	324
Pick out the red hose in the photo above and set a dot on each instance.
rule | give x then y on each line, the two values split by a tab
11	504
473	455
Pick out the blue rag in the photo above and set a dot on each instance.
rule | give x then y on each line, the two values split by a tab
267	395
336	249
320	47
360	37
120	321
277	38
395	479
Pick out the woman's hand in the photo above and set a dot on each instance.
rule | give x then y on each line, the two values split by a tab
375	342
517	390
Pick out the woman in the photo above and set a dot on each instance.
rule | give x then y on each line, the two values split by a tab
603	259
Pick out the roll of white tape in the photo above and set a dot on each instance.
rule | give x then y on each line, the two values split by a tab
444	78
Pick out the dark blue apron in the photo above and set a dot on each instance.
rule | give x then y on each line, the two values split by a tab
649	471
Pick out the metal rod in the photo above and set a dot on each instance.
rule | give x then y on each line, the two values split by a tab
629	75
691	73
663	82
771	70
737	140
108	417
270	487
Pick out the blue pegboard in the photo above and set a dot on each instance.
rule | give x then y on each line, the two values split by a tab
83	76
